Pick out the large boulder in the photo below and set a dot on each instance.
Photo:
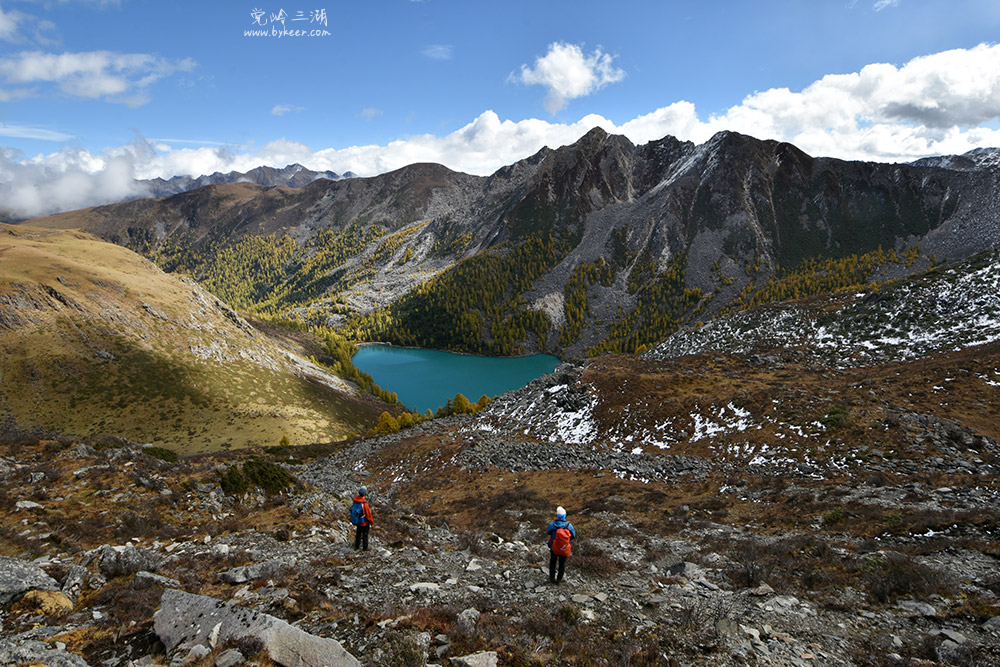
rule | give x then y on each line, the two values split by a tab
17	577
123	561
185	619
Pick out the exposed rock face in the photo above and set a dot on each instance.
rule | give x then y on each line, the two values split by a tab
184	618
18	577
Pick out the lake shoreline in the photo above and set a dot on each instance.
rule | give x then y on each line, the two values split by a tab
465	354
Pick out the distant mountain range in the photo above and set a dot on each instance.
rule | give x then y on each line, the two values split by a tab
594	247
292	176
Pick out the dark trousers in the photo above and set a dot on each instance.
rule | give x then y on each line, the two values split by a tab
361	537
552	566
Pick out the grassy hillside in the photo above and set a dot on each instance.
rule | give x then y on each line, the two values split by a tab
98	341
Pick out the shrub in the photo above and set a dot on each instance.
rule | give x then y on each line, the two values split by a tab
569	614
590	558
835	418
752	564
269	476
233	482
893	575
834	516
162	453
403	650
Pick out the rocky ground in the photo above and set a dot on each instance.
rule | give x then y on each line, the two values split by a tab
691	550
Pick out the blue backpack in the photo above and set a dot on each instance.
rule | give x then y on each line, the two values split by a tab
357	514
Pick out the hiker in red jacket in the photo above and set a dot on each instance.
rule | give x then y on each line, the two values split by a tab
361	516
561	534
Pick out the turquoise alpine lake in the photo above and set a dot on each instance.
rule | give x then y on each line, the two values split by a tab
425	379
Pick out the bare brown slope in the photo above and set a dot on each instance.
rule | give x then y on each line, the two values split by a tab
97	341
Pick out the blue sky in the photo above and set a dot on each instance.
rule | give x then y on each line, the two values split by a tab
95	93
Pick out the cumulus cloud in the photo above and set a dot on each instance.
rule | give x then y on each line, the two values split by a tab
282	109
934	105
113	77
568	73
76	180
438	52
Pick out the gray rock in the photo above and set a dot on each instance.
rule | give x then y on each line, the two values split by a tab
992	624
956	637
17	577
705	583
685	569
197	652
75	581
950	652
483	659
467	620
917	607
188	619
229	658
36	652
150	579
726	626
123	561
268	569
27	505
425	587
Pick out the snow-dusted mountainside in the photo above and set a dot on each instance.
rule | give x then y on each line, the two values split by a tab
978	158
944	309
767	386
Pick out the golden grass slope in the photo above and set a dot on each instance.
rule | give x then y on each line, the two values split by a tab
97	341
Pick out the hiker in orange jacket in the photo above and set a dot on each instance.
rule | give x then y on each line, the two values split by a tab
561	534
361	516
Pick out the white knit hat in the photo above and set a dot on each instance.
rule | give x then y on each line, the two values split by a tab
561	512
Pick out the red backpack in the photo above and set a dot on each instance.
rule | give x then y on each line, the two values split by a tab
561	542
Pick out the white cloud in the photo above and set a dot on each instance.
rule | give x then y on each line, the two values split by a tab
438	52
8	24
371	113
933	105
114	77
282	109
884	4
28	132
569	73
39	187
